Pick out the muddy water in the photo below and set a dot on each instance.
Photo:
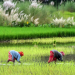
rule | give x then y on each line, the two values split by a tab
69	57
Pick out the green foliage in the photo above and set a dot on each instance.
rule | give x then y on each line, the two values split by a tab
22	24
23	6
69	6
45	14
54	42
67	14
49	9
41	13
3	21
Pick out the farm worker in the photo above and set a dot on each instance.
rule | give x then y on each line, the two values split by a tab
14	55
54	55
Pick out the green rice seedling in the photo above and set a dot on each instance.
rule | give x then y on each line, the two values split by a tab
39	68
34	32
60	40
33	55
32	62
73	48
54	43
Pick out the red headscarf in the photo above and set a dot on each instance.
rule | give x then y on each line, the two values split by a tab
21	53
62	53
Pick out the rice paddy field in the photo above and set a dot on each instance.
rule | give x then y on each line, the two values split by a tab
36	55
37	41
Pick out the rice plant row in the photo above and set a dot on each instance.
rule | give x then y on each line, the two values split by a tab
9	33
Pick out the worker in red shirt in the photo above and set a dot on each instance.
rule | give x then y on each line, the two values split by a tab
54	55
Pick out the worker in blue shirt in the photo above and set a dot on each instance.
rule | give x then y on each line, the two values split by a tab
14	55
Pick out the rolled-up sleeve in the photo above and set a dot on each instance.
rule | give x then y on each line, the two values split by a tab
18	59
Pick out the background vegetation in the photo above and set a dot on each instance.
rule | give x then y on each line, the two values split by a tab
45	14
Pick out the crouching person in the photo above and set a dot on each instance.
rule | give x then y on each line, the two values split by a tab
54	55
14	55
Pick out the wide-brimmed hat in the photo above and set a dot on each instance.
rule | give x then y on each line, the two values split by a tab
21	53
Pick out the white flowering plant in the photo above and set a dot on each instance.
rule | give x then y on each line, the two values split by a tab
70	21
63	22
59	22
35	21
34	4
17	19
21	19
52	3
8	6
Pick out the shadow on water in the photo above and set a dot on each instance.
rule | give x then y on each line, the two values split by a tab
68	57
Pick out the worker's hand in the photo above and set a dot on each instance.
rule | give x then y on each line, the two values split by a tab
7	61
48	61
19	61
